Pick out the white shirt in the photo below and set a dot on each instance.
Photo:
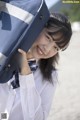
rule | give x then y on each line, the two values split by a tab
31	101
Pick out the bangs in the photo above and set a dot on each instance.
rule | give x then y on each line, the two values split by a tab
61	41
63	44
53	28
59	24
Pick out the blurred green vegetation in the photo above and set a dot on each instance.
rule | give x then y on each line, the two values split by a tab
73	12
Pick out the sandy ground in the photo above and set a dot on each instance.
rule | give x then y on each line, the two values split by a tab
66	102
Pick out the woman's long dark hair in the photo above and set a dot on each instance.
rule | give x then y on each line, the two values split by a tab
57	23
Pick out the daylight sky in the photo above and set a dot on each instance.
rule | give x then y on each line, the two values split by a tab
50	2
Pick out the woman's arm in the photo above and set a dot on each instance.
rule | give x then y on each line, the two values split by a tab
35	105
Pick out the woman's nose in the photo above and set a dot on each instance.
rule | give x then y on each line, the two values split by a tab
47	48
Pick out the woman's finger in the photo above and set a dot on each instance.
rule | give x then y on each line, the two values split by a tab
22	51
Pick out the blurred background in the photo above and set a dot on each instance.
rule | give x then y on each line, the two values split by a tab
66	101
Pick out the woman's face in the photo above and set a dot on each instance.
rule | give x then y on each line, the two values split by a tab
44	47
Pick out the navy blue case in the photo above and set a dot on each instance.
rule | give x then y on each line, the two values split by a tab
21	21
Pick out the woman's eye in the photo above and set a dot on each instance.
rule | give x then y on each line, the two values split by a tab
56	48
48	38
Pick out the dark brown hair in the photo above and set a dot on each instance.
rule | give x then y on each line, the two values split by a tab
56	23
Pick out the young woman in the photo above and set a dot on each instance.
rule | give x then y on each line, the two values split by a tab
32	99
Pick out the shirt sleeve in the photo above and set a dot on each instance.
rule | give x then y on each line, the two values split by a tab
35	105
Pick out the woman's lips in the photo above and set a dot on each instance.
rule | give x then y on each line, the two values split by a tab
40	50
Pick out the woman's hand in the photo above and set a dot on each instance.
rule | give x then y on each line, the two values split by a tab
25	69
